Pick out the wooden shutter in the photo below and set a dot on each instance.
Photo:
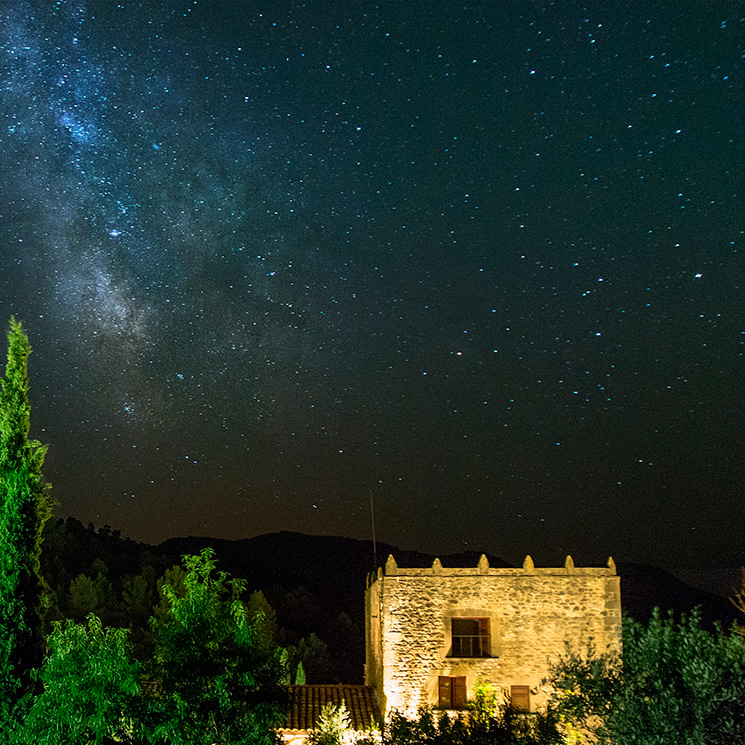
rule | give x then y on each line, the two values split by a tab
520	696
452	692
459	692
445	699
485	637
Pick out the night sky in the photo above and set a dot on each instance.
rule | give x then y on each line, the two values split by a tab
481	261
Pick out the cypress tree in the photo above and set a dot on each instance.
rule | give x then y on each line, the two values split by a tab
24	508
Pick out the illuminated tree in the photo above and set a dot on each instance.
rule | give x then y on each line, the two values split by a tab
91	687
24	508
219	683
333	726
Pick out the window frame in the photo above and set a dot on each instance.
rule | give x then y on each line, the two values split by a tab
456	692
469	612
482	639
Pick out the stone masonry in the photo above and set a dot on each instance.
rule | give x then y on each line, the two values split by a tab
529	614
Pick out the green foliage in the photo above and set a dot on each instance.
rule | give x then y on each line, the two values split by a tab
313	653
263	618
137	595
84	598
90	687
219	684
489	721
428	728
300	674
333	726
585	689
484	704
677	683
294	672
212	680
173	578
24	507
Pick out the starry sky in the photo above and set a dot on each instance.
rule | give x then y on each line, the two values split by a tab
480	262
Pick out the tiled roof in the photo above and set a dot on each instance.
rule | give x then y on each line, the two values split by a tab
150	688
306	702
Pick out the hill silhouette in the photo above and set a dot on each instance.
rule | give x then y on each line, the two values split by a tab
334	569
315	585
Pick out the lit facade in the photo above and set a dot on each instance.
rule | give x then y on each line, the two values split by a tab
431	633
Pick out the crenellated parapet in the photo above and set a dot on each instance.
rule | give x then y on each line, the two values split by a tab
482	568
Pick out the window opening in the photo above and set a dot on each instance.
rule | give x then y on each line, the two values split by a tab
470	637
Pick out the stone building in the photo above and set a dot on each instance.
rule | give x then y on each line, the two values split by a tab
430	633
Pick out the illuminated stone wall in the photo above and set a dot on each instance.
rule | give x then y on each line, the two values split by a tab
532	613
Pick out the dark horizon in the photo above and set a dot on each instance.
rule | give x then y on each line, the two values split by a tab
695	575
482	261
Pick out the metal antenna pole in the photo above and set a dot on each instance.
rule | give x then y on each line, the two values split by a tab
372	517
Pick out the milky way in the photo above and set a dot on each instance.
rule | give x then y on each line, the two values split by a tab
482	262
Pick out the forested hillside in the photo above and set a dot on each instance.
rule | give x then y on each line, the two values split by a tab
314	584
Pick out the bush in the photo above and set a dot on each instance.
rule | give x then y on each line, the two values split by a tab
490	720
676	683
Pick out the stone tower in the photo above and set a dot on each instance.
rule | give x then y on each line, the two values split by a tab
430	633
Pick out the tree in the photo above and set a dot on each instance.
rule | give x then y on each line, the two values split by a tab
314	655
84	598
263	618
333	726
738	599
91	687
219	684
24	508
173	578
300	677
676	683
137	595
